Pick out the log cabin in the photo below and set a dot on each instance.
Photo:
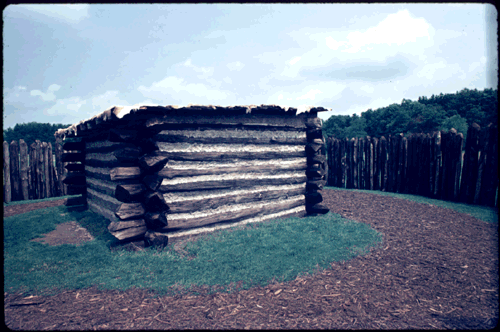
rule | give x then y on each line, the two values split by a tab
160	172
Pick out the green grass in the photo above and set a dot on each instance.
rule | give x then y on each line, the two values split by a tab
483	213
254	255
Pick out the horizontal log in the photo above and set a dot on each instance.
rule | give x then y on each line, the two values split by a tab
128	230
106	146
155	220
75	167
234	213
219	183
123	135
104	201
314	133
230	136
76	190
72	201
129	193
155	239
130	210
153	162
313	123
152	181
178	235
107	188
70	146
75	156
315	185
171	172
312	172
313	148
127	154
153	201
124	173
241	196
76	178
317	209
316	159
249	121
217	156
98	208
313	197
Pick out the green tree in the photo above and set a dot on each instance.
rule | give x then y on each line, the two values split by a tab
32	131
457	122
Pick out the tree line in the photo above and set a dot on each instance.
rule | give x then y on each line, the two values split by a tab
439	112
32	131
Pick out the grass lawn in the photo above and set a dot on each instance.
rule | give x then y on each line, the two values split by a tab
248	256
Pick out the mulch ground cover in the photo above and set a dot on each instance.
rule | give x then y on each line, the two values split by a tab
436	269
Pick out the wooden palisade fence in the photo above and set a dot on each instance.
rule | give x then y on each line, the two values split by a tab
420	164
29	172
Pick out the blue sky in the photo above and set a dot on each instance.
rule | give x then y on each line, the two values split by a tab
66	63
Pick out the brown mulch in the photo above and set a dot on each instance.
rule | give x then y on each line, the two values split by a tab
436	269
12	210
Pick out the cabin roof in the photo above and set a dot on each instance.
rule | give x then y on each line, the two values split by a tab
117	114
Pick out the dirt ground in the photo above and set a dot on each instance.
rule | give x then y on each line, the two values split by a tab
436	269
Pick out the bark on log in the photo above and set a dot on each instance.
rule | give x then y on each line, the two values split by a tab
312	172
76	190
153	201
123	135
317	209
155	220
72	201
74	178
6	173
59	166
232	216
69	146
129	193
130	210
152	181
128	230
75	167
250	121
14	171
313	197
313	123
154	161
170	172
73	157
155	239
46	168
23	156
219	156
315	185
222	184
39	169
190	205
125	173
313	148
231	140
127	154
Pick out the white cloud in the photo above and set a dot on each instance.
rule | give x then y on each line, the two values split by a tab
235	66
367	88
65	106
280	97
440	71
205	72
70	13
49	95
227	80
333	44
294	60
172	85
310	95
399	28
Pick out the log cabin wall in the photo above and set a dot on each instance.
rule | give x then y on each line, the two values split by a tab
167	171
